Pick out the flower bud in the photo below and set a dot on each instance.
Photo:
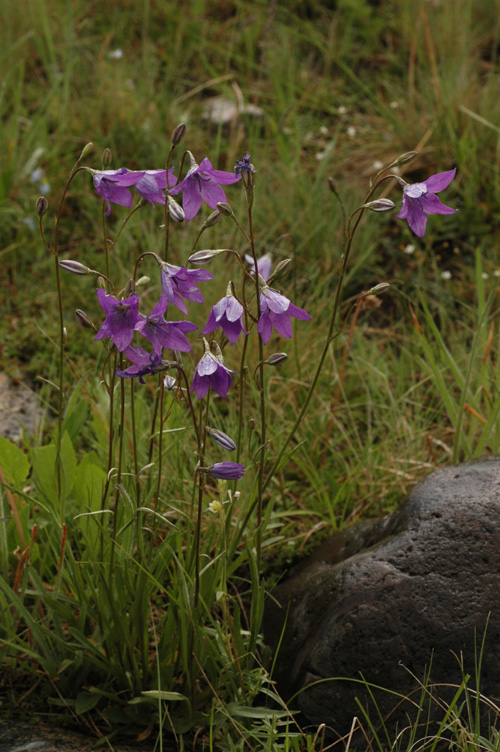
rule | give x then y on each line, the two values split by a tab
225	470
74	267
379	289
405	158
83	319
65	335
212	220
41	206
101	283
224	209
178	134
222	439
129	288
276	359
142	281
176	212
203	257
106	157
380	205
169	383
282	269
87	149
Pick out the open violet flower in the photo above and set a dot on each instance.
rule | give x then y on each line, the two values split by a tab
202	182
151	186
419	200
227	314
177	282
211	371
275	311
113	186
161	333
121	319
144	364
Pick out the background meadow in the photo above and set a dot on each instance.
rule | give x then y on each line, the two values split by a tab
320	90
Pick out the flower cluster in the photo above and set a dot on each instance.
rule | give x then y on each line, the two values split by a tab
113	185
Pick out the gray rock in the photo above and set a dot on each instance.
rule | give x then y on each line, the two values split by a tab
19	409
420	596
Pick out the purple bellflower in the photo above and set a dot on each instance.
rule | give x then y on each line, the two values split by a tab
177	282
226	470
211	371
227	314
152	185
144	364
275	311
113	185
161	333
264	265
419	199
202	182
120	321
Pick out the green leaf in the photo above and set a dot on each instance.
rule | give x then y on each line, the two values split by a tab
85	702
45	469
14	462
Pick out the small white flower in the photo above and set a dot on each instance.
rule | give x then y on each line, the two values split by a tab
446	275
394	105
215	506
484	275
377	165
323	130
409	249
341	110
115	54
496	273
351	131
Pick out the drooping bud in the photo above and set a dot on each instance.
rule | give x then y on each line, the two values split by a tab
276	359
83	319
142	281
224	209
101	283
74	267
380	205
176	212
405	158
221	438
203	257
106	157
41	206
225	470
178	134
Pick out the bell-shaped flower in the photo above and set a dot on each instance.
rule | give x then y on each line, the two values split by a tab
419	200
113	185
144	363
121	318
264	265
202	182
275	311
151	186
227	314
211	371
161	333
177	282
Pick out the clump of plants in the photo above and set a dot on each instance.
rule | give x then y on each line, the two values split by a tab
133	581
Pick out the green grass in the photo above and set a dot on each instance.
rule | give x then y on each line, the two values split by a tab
412	385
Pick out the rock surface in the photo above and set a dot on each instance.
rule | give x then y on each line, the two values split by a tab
421	594
19	409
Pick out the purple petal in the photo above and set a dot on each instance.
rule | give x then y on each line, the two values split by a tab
207	365
211	193
282	323
432	205
265	328
416	218
277	303
298	313
234	309
211	325
232	329
200	385
439	182
191	200
220	381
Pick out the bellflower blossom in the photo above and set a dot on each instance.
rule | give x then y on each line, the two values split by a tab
152	184
264	265
113	185
121	318
144	364
161	333
177	282
227	314
419	199
202	182
275	311
211	371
